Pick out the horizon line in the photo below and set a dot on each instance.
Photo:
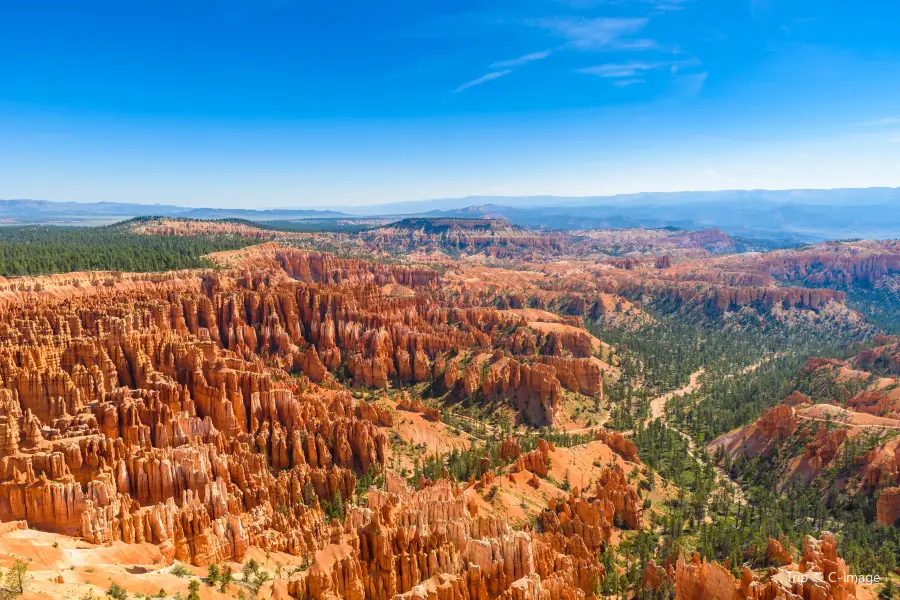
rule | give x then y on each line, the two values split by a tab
334	207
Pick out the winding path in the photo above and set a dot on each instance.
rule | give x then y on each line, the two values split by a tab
658	411
848	424
658	404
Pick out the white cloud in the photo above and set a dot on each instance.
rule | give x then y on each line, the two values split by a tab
522	60
631	73
593	33
482	79
627	70
636	44
621	83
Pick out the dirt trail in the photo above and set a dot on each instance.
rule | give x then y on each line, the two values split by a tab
588	429
856	425
825	413
658	411
658	404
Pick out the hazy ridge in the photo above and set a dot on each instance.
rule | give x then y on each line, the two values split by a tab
796	215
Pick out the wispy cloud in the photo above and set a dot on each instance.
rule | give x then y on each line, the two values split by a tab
636	44
670	5
604	34
483	79
659	5
593	33
691	85
883	121
522	60
631	73
616	71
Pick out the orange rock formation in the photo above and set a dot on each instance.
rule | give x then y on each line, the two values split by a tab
821	574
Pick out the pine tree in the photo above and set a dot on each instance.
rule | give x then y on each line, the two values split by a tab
194	590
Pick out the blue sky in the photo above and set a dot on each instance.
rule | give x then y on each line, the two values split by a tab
287	103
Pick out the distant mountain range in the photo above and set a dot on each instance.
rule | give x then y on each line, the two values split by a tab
760	219
868	196
44	211
795	215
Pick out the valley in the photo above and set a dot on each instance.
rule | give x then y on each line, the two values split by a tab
446	409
